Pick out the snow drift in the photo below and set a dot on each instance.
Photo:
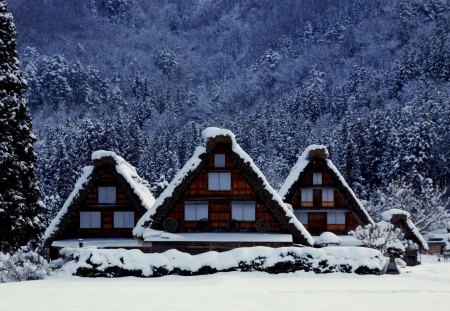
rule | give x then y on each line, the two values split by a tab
93	262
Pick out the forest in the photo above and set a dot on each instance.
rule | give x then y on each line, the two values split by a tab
368	79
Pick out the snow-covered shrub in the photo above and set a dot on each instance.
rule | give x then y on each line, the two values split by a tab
93	262
22	265
377	236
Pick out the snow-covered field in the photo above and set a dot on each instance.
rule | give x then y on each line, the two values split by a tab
426	287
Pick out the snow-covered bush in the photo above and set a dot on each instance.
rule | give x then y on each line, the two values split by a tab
22	265
377	236
93	262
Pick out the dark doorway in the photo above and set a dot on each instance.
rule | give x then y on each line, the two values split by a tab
317	222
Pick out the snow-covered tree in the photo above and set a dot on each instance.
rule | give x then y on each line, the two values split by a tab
20	207
378	236
426	205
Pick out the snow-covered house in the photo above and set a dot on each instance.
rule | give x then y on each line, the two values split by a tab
103	208
321	198
219	200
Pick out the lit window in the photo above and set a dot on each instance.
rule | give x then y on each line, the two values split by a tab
219	160
123	219
317	178
302	216
194	211
243	211
336	218
219	181
106	195
327	195
307	195
90	220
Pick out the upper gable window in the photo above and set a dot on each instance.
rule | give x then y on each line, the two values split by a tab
219	160
219	181
317	178
106	195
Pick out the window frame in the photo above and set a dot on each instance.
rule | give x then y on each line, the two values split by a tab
326	195
196	205
317	178
108	194
303	196
332	218
220	160
123	225
90	225
220	181
238	208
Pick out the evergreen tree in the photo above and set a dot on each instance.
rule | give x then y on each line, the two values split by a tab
20	208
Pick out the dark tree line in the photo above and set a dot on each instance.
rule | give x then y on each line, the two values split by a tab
369	79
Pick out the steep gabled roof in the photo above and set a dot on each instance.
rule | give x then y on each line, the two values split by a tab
138	189
402	219
298	172
250	171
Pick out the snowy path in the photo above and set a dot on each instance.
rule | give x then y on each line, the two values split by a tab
426	287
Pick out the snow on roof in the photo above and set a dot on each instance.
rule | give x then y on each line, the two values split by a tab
80	184
194	162
300	166
125	169
387	216
139	185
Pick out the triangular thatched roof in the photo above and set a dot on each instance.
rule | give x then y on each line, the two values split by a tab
127	177
299	171
154	217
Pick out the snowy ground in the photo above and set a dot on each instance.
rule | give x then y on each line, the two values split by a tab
423	287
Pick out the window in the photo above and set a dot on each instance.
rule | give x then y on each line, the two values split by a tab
243	211
328	195
90	220
219	160
301	216
336	218
123	219
194	211
219	181
307	195
106	195
317	178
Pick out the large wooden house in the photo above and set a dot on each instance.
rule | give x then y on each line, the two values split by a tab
104	207
321	198
218	201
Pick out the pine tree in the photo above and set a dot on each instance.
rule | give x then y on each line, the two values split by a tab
20	208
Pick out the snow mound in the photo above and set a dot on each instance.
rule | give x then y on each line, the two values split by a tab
328	238
120	262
